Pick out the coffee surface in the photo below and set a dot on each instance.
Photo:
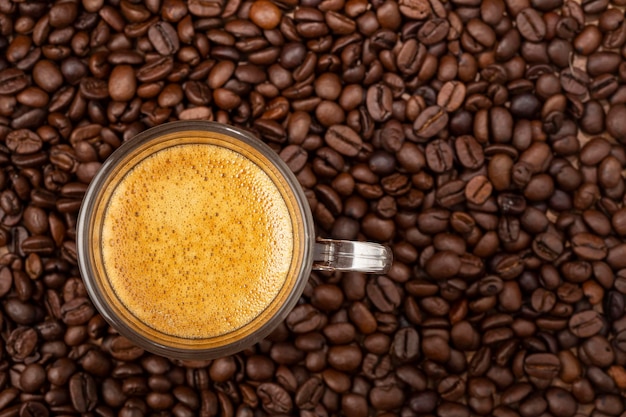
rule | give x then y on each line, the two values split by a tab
196	240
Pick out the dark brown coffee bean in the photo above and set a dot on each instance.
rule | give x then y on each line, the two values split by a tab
265	14
478	35
386	397
609	404
405	345
164	38
433	31
382	163
343	139
274	398
12	80
383	293
305	318
430	122
594	151
531	25
451	193
309	393
451	96
42	245
415	9
574	81
443	265
47	76
32	378
379	102
77	311
469	152
228	100
478	190
94	89
354	404
155	70
377	228
295	157
544	366
83	392
598	351
588	246
588	40
411	56
205	8
363	319
439	156
548	246
585	324
122	83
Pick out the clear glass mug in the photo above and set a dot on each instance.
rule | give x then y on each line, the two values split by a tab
171	283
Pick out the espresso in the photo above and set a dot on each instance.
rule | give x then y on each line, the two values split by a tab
196	240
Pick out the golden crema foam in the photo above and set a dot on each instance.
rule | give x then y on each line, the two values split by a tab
196	241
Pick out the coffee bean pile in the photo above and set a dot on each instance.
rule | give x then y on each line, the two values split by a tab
482	140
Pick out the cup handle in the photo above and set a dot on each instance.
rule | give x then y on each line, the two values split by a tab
348	255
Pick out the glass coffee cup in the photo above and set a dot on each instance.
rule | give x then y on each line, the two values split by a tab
195	240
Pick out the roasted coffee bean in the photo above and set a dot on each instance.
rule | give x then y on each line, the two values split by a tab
405	344
344	140
543	301
478	36
12	80
451	193
574	81
24	141
32	378
531	25
305	318
478	190
265	14
163	38
548	246
542	366
433	31
77	311
443	265
411	56
274	398
585	324
439	156
383	293
309	393
430	122
588	246
122	84
83	392
469	152
379	102
613	303
295	157
597	351
414	9
451	96
42	245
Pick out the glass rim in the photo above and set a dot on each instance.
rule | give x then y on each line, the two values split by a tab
91	199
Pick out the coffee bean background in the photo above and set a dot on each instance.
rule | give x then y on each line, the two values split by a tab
482	140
